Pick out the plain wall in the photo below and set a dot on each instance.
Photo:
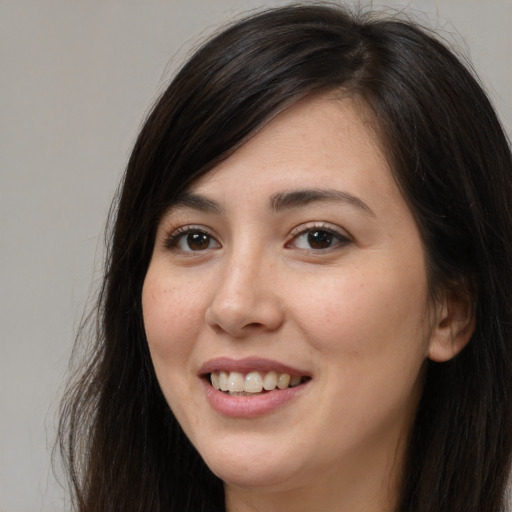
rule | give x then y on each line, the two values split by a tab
76	80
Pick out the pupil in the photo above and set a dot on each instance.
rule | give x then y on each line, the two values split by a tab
319	239
198	241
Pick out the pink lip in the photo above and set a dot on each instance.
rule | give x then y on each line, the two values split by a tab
249	406
248	364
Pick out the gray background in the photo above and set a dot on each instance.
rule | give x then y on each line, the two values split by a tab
76	80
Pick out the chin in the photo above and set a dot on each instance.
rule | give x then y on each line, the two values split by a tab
250	465
263	477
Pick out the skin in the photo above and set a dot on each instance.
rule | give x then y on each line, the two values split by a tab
355	315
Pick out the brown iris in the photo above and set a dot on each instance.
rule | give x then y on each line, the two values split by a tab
198	241
320	239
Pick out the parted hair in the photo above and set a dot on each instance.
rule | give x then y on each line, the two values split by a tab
122	446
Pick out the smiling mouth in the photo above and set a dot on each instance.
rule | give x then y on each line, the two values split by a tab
253	383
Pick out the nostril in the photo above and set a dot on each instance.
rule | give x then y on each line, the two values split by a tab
238	333
254	325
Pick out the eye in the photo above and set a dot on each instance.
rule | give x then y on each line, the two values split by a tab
189	239
318	238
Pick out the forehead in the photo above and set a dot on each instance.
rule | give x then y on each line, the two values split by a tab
319	143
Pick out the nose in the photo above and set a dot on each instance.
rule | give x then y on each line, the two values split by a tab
246	298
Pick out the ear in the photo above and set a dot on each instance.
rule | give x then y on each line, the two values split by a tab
453	328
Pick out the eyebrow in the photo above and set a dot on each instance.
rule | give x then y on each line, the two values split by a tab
296	198
197	202
278	202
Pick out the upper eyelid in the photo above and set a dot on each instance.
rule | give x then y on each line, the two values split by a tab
177	213
183	228
172	233
172	227
322	225
176	216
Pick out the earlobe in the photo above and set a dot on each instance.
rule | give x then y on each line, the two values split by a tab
455	324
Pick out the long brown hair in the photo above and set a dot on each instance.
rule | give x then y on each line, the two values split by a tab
452	160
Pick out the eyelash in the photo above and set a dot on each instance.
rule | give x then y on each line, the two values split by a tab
308	229
180	233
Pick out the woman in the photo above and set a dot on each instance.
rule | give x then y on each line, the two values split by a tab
307	299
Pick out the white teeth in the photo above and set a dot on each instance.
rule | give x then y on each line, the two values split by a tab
215	378
283	381
252	382
223	381
270	381
235	382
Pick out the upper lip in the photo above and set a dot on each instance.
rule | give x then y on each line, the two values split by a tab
249	364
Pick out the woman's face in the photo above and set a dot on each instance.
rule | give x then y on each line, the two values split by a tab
295	263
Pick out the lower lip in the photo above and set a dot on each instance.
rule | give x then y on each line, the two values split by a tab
250	406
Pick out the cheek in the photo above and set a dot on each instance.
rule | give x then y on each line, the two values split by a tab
372	332
171	318
368	314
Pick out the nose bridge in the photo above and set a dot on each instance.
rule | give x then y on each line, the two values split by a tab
245	297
